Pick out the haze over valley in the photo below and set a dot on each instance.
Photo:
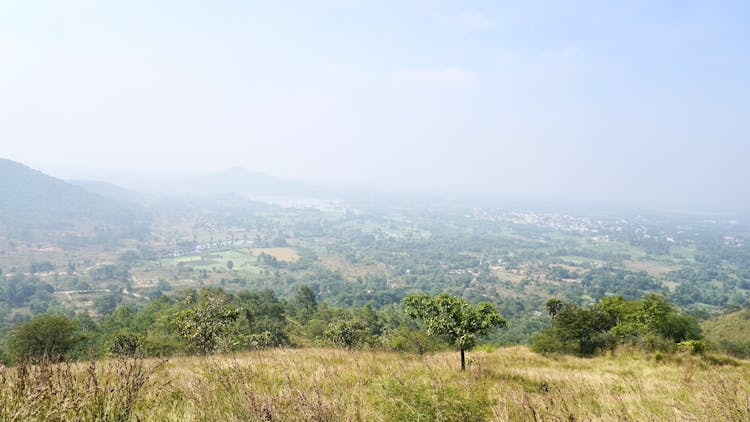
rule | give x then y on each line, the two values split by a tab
632	105
374	210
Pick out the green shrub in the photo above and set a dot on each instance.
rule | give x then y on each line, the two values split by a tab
349	334
430	401
695	347
411	341
45	336
126	343
737	349
547	342
156	345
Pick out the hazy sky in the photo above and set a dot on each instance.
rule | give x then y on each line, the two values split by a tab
644	102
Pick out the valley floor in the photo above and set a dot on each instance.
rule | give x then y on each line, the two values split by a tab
507	384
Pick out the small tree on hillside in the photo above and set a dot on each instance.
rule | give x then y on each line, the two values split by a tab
305	303
126	343
454	318
554	306
650	323
349	333
205	325
47	336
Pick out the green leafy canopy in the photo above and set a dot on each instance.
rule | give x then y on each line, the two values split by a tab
454	318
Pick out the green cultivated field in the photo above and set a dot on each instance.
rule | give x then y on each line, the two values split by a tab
243	262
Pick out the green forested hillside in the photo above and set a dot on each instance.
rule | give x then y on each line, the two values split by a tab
33	203
238	180
108	190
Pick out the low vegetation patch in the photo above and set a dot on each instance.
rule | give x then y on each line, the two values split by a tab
281	254
114	390
312	384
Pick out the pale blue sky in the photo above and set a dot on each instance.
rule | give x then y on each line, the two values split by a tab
637	102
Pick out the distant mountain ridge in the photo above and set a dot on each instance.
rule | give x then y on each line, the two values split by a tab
239	180
108	190
31	200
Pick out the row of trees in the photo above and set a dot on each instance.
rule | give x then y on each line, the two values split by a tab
213	320
205	321
652	323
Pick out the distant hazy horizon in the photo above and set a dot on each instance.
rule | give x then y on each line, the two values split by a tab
638	104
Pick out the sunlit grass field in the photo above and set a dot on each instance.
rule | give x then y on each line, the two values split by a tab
282	254
734	326
242	262
509	384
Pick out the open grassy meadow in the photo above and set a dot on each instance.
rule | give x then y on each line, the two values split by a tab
734	326
510	384
242	261
281	254
653	268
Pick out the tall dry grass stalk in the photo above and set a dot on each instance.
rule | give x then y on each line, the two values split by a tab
109	391
511	384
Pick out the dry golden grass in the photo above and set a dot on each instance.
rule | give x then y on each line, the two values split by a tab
734	326
510	384
281	254
508	276
653	268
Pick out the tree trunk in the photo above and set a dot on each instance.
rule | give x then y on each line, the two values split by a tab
463	361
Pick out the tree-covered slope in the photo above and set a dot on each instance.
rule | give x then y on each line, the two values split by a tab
108	190
31	200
